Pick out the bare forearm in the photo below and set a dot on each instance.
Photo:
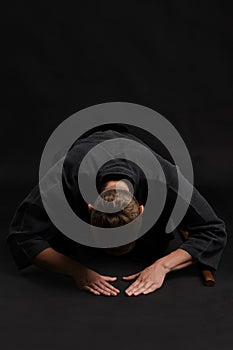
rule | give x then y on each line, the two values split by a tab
50	259
176	260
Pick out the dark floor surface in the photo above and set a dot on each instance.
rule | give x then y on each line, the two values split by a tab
42	310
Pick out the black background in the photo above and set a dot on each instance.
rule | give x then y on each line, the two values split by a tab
174	57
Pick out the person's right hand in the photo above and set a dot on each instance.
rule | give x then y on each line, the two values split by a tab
89	280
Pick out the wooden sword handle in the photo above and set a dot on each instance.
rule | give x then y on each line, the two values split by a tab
208	277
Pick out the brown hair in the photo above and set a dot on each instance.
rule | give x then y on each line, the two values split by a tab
115	199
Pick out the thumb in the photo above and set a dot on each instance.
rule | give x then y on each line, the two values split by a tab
108	278
131	277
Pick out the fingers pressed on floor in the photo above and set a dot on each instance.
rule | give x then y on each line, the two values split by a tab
110	287
101	290
131	277
133	285
108	278
107	289
93	291
141	289
151	289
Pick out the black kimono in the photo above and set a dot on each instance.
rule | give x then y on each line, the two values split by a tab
31	230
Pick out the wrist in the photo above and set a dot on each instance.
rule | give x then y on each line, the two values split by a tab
176	260
75	270
163	264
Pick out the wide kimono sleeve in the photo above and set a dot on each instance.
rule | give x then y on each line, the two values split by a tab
207	232
207	236
31	229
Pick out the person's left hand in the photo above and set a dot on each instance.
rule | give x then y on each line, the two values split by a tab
148	280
